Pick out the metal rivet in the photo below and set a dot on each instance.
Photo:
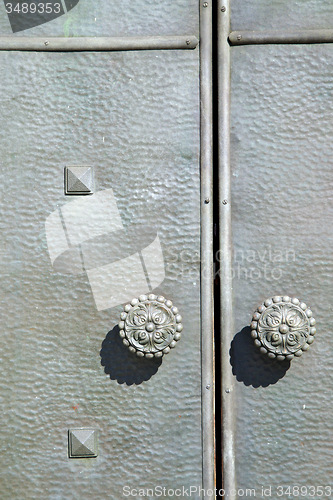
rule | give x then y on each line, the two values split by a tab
188	42
79	180
223	9
208	387
239	37
46	42
225	202
82	443
205	4
207	200
227	391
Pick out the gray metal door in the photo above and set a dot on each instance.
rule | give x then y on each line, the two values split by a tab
103	198
276	235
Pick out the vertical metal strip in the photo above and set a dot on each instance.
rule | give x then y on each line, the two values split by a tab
227	396
207	324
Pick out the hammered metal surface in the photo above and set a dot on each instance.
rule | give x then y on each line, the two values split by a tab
63	364
281	14
283	235
125	18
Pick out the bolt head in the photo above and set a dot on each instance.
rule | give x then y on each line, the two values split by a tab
223	9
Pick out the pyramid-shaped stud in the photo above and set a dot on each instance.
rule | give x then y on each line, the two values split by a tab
82	443
79	180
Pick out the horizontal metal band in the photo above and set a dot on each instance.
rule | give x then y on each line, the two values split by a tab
81	44
275	37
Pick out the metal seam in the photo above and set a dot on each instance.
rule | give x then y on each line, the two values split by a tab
97	44
227	379
207	323
281	37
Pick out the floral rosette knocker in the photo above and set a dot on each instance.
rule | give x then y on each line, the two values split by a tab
150	326
283	327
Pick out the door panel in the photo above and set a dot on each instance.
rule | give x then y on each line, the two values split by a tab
281	165
104	18
133	117
281	14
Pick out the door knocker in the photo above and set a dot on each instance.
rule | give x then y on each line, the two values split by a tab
150	326
283	327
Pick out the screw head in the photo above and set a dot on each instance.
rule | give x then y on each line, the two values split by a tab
46	42
188	42
205	4
223	9
207	200
239	37
225	202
